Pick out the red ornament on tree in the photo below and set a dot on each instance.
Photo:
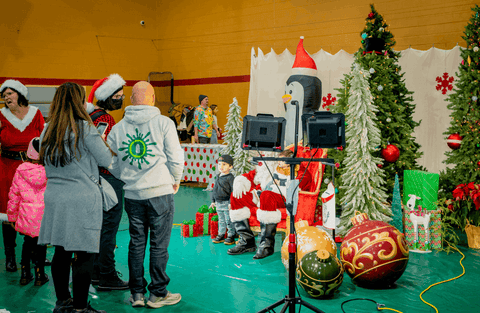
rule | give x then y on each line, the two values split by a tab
380	165
454	141
373	253
391	153
478	163
370	15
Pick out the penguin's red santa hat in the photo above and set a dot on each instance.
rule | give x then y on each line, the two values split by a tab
304	64
104	88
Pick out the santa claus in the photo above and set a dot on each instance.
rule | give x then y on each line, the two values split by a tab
261	192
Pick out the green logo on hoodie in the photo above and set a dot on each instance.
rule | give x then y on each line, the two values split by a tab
137	148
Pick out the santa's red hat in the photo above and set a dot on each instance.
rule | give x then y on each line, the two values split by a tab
304	64
104	88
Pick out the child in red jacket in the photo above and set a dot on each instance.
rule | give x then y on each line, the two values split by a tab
25	209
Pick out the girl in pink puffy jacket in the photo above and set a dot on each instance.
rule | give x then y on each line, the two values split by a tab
25	209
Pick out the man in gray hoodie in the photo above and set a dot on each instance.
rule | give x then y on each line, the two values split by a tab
150	162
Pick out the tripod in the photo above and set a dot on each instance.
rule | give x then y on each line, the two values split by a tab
290	301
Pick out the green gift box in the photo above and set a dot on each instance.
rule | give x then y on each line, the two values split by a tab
423	185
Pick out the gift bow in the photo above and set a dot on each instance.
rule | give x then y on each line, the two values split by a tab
190	222
203	209
215	218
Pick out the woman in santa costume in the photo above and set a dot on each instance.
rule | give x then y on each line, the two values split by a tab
19	124
245	200
109	94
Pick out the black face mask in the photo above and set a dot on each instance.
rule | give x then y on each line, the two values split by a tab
115	104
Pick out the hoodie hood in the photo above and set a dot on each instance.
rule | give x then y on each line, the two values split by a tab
32	174
140	114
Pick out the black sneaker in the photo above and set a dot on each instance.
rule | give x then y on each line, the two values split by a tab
112	282
230	241
219	239
89	309
64	306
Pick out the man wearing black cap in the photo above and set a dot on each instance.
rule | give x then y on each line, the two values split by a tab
203	121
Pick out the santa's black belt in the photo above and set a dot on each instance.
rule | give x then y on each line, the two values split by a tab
14	155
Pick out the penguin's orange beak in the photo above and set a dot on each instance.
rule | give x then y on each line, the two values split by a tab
286	98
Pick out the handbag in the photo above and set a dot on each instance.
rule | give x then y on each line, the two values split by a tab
109	197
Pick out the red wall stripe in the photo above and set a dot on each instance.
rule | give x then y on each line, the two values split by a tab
90	82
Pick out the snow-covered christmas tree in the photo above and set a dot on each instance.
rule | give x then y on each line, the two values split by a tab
233	139
364	181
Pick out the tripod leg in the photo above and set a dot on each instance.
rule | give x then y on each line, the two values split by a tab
308	305
273	306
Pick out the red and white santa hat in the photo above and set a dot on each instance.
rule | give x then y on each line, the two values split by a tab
15	84
304	64
104	88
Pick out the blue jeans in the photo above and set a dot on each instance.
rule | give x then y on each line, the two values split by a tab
224	221
104	261
154	215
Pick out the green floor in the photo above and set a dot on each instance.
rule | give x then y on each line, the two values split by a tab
212	281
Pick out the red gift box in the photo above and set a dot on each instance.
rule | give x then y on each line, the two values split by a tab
213	225
188	229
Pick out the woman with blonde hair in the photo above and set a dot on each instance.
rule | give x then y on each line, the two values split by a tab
71	150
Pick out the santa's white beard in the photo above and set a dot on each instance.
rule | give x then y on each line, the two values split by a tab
262	175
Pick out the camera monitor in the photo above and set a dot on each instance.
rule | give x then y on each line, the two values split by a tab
263	132
325	129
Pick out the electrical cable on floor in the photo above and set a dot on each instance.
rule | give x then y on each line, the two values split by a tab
379	305
382	307
445	281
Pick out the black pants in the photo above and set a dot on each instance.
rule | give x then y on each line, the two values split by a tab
30	250
203	139
82	267
9	238
104	262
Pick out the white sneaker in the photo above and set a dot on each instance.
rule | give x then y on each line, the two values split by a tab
137	300
157	302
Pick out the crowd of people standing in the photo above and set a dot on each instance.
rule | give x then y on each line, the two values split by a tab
72	155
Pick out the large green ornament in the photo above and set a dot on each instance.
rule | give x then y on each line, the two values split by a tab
320	274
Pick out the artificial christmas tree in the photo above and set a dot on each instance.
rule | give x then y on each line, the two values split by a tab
233	140
390	96
462	134
363	180
397	220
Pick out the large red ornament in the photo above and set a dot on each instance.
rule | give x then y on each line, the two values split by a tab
391	153
373	253
454	141
370	15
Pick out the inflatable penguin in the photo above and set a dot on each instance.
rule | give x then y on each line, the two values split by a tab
302	86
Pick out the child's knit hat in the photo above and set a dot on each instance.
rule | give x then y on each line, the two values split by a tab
34	149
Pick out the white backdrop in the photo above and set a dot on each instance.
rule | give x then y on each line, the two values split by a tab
269	72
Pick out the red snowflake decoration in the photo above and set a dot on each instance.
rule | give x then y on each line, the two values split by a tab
444	83
328	100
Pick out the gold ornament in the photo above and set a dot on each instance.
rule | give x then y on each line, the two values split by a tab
469	60
309	238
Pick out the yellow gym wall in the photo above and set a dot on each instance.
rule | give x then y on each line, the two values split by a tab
201	40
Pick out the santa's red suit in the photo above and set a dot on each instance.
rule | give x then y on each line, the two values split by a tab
245	202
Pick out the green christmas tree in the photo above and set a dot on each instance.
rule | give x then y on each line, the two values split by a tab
465	117
397	220
363	181
391	97
233	139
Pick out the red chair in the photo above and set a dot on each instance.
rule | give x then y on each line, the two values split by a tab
307	199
